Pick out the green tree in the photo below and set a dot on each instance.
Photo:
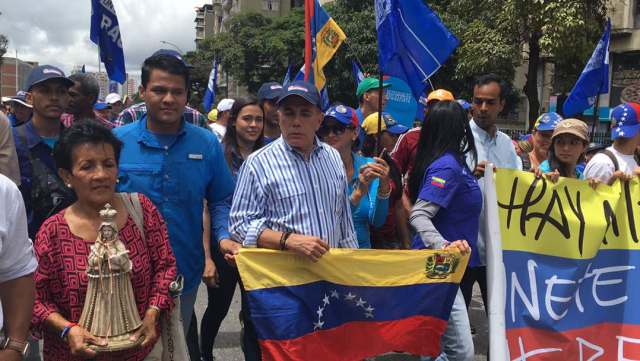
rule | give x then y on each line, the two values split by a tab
493	36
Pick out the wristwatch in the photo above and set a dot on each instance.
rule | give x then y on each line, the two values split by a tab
19	346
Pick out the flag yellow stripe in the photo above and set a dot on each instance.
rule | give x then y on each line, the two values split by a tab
262	268
328	40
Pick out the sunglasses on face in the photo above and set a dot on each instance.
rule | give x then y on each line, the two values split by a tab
337	129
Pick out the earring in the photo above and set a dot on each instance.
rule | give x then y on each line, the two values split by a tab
69	185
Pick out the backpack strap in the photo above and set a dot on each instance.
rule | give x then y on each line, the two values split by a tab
134	207
613	158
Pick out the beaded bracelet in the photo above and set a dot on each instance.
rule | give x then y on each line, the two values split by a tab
67	328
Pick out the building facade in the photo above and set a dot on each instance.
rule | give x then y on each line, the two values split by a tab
13	73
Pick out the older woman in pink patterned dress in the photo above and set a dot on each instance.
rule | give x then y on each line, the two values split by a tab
86	156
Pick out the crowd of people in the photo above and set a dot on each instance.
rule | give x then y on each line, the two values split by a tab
272	171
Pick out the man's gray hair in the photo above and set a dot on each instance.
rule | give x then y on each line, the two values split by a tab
88	84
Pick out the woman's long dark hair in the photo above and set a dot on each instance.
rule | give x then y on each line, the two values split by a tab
230	140
554	162
445	129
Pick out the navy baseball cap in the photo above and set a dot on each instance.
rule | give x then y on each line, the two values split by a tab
625	121
173	53
303	89
269	91
42	73
464	104
547	121
343	114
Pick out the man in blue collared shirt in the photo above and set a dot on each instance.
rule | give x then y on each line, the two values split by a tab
291	194
177	165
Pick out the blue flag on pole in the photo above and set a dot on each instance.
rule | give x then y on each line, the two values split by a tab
105	32
287	76
594	79
413	43
210	95
83	70
358	74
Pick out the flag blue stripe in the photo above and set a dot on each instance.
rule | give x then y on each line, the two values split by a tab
282	313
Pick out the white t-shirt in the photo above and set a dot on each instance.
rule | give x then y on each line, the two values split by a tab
17	257
218	130
601	167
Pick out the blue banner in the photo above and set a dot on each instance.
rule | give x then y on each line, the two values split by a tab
358	74
105	33
401	104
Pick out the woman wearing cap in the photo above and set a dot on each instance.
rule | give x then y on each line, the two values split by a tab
391	131
447	204
540	140
243	136
566	153
369	184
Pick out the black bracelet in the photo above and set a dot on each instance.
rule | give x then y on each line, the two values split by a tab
286	237
282	238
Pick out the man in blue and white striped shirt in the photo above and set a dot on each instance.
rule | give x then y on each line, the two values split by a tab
292	194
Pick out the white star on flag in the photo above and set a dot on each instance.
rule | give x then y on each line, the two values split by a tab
335	294
325	300
360	302
349	296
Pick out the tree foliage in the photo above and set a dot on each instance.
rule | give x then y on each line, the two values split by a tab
3	45
495	36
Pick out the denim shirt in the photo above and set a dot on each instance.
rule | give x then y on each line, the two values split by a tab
178	177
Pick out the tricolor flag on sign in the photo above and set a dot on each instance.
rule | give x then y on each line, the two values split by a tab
350	305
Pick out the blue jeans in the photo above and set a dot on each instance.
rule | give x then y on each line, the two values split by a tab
457	343
187	303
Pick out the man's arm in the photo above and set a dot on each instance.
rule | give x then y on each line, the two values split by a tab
210	274
17	264
8	156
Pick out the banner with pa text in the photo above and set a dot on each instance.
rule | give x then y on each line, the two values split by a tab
571	258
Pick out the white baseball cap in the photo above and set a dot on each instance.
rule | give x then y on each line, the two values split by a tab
225	105
113	98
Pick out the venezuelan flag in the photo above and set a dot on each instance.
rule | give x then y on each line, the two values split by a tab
326	39
351	304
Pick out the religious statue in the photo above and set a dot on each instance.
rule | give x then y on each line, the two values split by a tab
110	310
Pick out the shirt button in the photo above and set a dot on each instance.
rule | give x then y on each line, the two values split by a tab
166	147
166	176
166	199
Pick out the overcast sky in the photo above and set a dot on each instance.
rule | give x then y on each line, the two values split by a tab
57	31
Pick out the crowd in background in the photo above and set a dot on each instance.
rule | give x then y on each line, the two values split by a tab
273	171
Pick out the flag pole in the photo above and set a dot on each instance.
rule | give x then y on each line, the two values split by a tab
596	118
380	96
308	8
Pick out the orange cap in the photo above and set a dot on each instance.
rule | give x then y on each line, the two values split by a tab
440	94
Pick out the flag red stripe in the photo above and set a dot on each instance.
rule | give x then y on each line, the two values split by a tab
418	335
308	15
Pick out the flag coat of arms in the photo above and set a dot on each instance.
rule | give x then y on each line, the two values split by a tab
350	305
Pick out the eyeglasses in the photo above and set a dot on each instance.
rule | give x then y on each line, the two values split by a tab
337	129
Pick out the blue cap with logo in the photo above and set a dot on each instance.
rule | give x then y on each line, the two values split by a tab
547	121
625	121
303	89
343	114
173	53
269	91
21	98
464	104
42	73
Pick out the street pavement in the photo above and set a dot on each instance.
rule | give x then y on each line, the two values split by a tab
227	347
